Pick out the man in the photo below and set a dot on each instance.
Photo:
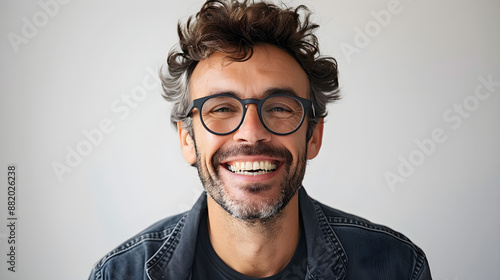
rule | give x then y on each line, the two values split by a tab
250	93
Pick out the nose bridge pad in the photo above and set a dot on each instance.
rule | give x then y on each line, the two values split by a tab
245	117
246	105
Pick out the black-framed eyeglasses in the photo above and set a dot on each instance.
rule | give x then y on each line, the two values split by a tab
222	114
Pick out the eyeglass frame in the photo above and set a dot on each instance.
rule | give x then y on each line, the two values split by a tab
199	102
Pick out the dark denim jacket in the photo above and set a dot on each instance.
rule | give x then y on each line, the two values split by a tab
339	246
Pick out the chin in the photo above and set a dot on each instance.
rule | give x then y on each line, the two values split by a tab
253	202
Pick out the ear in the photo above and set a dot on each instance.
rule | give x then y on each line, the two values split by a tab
187	144
314	144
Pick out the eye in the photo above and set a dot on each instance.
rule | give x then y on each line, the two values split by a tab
221	110
279	109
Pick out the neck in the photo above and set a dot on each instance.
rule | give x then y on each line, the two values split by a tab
255	248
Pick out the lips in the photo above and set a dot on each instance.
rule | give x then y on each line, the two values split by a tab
252	160
252	167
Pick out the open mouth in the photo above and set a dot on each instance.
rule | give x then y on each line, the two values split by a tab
252	167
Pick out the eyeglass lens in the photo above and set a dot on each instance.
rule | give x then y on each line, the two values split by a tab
280	114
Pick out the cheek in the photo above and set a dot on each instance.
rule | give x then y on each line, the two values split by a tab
296	146
298	143
207	144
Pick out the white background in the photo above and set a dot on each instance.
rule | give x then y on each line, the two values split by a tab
82	59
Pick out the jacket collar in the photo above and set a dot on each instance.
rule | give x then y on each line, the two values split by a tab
326	257
175	257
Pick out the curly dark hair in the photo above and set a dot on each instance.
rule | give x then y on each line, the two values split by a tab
235	28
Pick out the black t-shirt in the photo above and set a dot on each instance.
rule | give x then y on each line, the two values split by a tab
208	266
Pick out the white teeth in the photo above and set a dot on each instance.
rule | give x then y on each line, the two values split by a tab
256	165
252	168
248	166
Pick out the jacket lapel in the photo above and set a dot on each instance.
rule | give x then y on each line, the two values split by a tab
175	257
326	259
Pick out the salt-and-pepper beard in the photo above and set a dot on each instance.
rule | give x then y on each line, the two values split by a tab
248	210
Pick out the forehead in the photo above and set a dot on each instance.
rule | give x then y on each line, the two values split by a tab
268	68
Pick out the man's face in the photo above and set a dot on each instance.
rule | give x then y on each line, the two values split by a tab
231	166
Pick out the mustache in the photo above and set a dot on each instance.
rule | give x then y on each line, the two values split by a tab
251	150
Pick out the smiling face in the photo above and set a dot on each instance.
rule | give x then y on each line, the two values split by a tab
251	173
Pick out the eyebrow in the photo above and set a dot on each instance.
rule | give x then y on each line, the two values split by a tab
268	92
288	91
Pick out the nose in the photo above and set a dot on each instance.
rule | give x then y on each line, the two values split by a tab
252	130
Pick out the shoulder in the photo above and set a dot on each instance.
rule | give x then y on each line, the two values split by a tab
342	222
373	246
127	261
